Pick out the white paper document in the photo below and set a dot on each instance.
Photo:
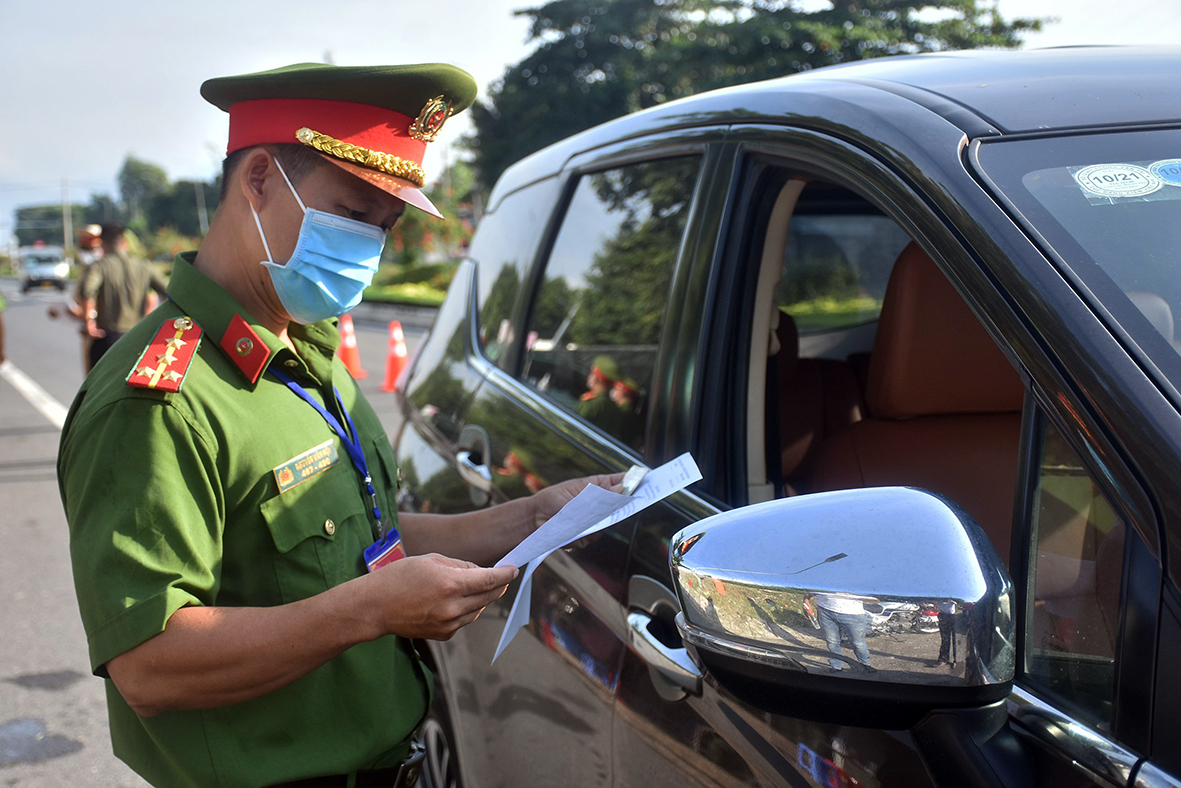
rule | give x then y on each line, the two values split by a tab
588	508
590	511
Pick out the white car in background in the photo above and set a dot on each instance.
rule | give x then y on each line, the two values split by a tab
42	265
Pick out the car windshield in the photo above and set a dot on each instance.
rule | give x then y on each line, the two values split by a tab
42	259
1109	207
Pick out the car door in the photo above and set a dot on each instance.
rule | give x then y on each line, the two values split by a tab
1071	549
590	315
671	730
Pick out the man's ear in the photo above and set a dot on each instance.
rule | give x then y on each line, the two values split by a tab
253	174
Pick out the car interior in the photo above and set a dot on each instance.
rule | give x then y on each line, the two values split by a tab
903	387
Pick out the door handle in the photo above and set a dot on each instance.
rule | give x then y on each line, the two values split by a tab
672	663
477	476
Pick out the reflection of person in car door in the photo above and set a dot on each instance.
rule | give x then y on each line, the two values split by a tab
626	396
844	614
595	404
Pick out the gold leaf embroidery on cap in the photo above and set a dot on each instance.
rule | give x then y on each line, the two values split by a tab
382	162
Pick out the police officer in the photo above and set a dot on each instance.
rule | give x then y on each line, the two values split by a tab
227	487
114	292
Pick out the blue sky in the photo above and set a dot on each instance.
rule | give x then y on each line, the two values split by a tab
87	84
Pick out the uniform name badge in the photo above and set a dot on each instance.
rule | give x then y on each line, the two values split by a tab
304	466
385	550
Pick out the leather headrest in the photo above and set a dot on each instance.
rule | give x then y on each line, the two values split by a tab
931	355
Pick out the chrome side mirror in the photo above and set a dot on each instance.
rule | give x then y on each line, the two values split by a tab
869	606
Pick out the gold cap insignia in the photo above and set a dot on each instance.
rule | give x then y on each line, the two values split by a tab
428	123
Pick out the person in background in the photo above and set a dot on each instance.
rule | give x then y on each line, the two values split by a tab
116	292
595	404
625	393
90	250
844	614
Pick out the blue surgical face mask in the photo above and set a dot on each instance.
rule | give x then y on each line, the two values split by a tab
334	261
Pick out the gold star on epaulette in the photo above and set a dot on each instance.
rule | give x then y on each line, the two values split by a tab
167	349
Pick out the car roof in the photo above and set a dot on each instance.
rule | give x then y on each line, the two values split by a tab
1039	89
983	92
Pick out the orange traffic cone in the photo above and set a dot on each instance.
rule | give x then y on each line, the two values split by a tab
397	357
348	348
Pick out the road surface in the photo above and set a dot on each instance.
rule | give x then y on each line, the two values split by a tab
53	724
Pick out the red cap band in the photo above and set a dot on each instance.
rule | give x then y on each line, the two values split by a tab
272	121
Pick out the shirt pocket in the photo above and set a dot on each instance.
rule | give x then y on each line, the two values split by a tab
320	529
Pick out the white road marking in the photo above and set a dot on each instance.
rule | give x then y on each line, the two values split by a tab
38	397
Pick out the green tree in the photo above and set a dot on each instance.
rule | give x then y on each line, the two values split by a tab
44	223
176	207
600	59
139	184
417	233
628	284
102	208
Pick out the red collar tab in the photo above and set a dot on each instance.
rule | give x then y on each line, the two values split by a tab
165	361
245	349
276	120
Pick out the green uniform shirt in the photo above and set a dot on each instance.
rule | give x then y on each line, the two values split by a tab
172	500
119	286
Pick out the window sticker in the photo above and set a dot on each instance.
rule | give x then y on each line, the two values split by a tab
1168	171
1120	182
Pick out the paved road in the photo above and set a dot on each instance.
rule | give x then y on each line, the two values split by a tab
53	727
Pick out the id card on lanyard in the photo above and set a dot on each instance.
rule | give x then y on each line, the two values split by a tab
388	547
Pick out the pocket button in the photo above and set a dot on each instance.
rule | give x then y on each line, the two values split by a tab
329	527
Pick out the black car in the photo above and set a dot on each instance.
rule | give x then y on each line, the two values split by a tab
954	273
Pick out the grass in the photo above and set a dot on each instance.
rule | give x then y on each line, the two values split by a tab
412	293
820	314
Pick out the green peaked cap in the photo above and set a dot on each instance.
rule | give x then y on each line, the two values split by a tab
404	89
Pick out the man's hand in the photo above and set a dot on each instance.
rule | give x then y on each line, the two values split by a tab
549	501
432	596
92	329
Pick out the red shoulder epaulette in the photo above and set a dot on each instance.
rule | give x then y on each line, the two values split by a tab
165	361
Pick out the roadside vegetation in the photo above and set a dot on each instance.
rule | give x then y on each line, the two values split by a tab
594	60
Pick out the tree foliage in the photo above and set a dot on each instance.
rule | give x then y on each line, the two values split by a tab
139	183
417	233
599	59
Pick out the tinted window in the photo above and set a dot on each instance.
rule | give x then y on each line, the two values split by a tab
1076	574
835	268
595	326
503	249
1110	205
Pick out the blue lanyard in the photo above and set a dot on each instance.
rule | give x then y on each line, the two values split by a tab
350	439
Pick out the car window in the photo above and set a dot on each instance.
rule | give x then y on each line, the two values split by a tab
595	325
503	249
837	261
1076	573
1108	204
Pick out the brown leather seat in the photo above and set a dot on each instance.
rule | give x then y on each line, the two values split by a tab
944	405
817	398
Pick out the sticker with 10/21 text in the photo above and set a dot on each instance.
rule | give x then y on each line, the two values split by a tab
1117	180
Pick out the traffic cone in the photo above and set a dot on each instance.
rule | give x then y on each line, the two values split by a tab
348	348
396	358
